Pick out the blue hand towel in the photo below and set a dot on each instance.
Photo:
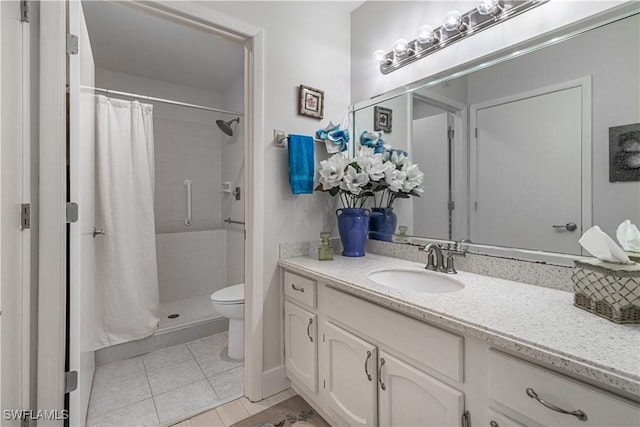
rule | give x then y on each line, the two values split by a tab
301	160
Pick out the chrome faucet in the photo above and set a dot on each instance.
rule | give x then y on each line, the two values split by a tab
435	260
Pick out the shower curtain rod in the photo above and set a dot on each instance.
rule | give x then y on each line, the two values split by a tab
166	101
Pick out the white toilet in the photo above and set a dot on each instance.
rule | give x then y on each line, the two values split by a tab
229	303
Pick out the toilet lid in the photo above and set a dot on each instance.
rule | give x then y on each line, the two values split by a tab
229	295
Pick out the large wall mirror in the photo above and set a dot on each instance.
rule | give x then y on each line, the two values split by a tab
518	154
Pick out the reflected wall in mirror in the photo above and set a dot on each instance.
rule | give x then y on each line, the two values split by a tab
516	154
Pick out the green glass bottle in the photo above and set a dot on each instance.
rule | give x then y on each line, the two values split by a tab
325	252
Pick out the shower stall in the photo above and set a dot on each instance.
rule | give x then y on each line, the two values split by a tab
198	210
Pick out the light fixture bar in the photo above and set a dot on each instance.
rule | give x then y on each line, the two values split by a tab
473	22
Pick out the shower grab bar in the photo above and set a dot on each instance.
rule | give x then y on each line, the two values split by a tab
231	221
187	183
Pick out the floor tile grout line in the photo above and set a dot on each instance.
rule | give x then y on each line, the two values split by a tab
120	408
153	398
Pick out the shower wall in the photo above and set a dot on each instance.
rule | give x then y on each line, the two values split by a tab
192	260
233	171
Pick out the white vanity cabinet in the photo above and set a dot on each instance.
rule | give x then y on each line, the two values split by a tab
408	396
350	379
301	330
366	386
541	396
361	364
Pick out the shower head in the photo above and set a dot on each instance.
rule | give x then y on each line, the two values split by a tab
226	126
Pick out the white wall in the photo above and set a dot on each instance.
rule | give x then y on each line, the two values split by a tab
305	43
233	171
377	24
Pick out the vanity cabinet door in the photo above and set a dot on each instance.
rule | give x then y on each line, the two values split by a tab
301	345
349	378
410	397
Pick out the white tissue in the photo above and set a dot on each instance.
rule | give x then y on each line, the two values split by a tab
628	236
600	245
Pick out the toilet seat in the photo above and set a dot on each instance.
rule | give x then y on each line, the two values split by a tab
230	295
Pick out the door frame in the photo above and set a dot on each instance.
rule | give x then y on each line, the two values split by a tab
16	355
52	241
586	208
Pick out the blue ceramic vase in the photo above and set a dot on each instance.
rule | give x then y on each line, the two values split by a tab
353	225
382	224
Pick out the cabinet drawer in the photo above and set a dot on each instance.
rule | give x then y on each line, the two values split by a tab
432	347
509	379
496	419
300	288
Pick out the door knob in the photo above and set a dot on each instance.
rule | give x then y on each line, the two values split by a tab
570	226
97	231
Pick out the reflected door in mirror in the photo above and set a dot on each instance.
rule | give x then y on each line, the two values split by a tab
526	171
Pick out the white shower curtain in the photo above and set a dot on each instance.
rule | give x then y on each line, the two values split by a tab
127	294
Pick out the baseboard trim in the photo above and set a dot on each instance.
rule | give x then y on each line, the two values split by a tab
274	381
160	340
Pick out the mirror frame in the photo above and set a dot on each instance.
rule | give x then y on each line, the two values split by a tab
610	16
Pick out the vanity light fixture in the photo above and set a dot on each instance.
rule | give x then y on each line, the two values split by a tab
426	34
489	7
455	27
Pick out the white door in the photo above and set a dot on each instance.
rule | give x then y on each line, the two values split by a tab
527	172
430	150
81	237
15	354
349	380
301	345
410	397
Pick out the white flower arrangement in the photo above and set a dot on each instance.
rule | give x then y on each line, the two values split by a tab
391	174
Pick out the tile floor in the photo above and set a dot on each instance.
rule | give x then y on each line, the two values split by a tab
234	411
165	386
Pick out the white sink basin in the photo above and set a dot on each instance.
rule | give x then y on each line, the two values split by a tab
416	280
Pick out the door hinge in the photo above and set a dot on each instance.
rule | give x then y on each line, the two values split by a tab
466	419
450	134
70	381
72	44
25	13
451	205
25	216
476	132
324	383
323	337
72	212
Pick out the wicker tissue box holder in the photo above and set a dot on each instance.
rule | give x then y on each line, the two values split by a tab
608	290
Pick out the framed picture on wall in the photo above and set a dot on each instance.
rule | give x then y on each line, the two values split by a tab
311	102
624	153
382	119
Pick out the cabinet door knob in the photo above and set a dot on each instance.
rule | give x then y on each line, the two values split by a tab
578	413
295	288
382	386
308	330
492	423
366	366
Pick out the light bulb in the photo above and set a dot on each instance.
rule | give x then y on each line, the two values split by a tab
379	56
488	7
426	34
400	47
452	20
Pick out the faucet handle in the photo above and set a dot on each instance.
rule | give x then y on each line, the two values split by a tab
431	261
450	268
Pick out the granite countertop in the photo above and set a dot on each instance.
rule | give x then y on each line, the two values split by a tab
537	322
